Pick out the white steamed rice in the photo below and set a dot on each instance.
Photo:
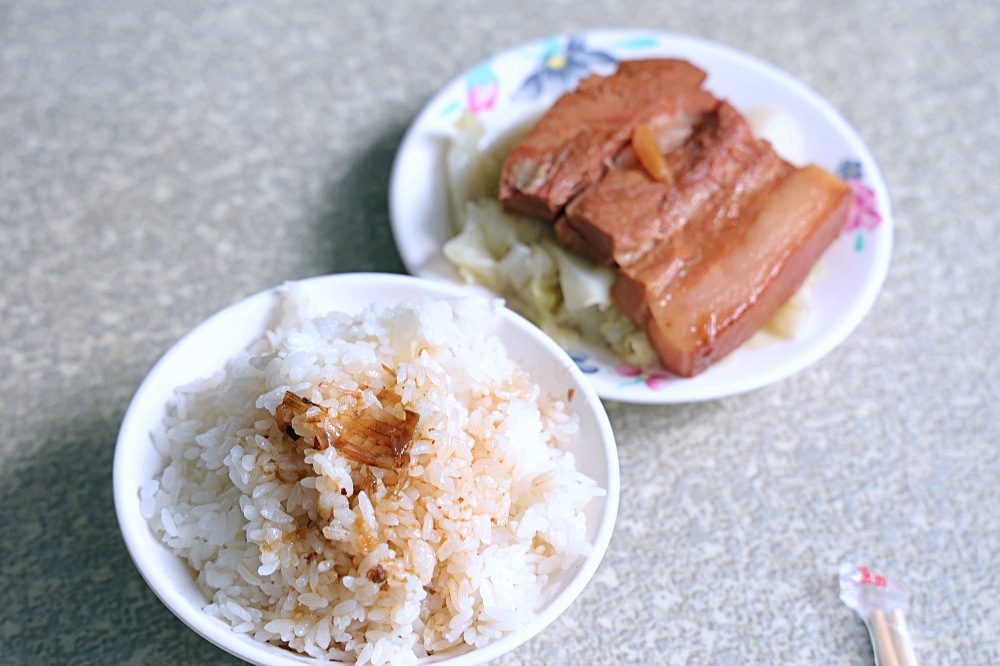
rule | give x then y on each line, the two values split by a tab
283	537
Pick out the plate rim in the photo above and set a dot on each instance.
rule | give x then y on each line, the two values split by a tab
679	43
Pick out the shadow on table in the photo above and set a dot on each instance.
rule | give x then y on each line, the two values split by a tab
349	229
69	592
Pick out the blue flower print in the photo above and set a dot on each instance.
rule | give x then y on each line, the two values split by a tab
563	67
581	362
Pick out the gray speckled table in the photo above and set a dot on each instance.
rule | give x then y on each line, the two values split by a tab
159	160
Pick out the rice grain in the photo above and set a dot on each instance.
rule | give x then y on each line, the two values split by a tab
312	550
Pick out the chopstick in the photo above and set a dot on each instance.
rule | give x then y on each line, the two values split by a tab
881	605
892	638
901	638
883	639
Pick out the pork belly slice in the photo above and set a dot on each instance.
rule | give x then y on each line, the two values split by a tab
619	219
619	214
576	141
739	283
728	194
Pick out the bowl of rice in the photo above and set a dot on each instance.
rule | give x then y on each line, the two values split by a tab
366	469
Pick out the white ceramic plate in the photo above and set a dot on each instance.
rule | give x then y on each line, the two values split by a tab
209	346
516	85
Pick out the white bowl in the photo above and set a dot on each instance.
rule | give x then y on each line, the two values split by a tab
210	345
497	91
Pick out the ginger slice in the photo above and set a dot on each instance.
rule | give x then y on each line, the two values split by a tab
648	151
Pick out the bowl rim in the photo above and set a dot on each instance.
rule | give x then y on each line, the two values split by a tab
134	448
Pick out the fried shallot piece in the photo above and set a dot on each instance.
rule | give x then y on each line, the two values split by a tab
371	436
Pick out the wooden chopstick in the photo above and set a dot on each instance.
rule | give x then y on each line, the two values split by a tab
892	638
902	645
883	639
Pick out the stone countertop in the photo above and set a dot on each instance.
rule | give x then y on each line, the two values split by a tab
160	160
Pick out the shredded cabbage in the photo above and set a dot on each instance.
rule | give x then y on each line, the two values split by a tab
520	259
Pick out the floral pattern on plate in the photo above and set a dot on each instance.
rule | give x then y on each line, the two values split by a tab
864	215
513	86
654	380
564	63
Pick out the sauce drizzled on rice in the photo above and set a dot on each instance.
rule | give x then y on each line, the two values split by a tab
318	550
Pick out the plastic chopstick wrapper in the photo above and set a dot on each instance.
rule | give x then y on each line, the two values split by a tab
882	605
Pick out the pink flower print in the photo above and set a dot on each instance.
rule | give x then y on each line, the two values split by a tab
482	89
864	213
656	381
